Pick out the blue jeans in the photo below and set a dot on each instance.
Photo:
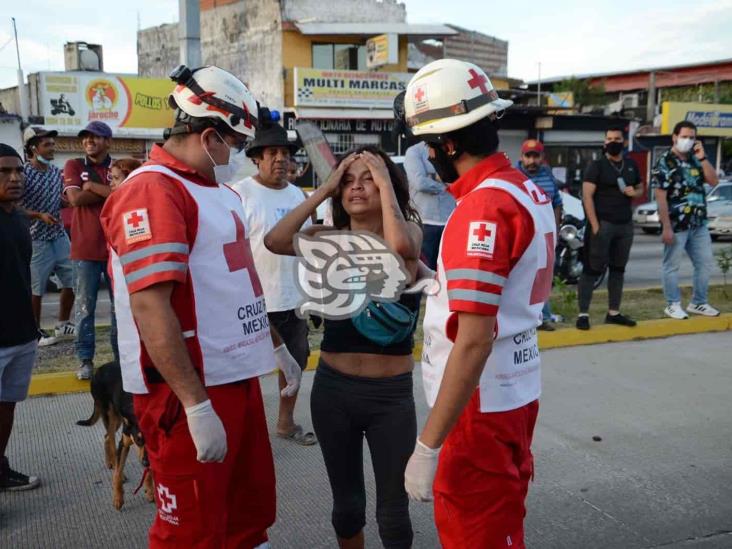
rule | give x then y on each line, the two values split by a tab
431	244
697	244
546	312
88	278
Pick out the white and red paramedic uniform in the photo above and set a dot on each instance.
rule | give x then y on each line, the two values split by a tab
496	258
167	223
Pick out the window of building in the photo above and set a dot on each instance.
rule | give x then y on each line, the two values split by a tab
339	56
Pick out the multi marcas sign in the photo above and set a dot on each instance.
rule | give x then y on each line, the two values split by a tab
131	106
341	88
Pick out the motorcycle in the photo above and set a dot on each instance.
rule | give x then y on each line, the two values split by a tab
570	242
61	105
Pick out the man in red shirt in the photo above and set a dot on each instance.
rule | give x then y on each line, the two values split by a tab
86	185
194	332
480	361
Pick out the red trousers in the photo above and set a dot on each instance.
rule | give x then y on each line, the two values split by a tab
483	477
209	505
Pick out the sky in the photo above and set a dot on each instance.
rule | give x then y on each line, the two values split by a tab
568	37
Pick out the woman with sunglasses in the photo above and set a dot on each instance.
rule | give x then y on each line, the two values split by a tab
362	387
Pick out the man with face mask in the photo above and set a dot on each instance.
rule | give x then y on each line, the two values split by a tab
480	361
610	185
267	197
678	179
51	246
533	166
194	333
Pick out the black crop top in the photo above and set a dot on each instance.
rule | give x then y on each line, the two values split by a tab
341	336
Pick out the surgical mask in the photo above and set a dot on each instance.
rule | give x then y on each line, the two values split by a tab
684	144
443	165
43	160
614	148
224	173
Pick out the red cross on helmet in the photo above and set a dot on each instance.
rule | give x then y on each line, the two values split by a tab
212	92
448	94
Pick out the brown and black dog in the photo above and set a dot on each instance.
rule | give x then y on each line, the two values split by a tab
114	405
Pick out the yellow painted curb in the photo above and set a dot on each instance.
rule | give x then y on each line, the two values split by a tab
56	383
66	382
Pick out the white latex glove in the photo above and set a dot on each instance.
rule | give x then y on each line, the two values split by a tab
287	364
420	472
207	432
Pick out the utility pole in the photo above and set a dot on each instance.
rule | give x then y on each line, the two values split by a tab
189	29
538	87
22	96
651	102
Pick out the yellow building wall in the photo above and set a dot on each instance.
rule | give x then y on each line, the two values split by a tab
297	51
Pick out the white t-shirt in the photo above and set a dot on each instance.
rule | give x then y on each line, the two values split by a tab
263	208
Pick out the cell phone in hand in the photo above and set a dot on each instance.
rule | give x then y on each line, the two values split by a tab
621	184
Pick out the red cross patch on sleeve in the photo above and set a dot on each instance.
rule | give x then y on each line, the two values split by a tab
136	225
482	239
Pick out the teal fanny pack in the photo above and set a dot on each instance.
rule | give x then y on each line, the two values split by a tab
385	323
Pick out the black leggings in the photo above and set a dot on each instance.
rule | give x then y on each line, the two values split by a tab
345	408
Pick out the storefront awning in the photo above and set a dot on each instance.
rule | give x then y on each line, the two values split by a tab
343	114
373	29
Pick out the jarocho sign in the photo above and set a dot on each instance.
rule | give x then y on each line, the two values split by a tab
129	105
336	88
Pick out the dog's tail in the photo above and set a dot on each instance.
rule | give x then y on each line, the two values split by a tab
94	417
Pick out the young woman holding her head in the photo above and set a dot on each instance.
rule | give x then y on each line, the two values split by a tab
362	387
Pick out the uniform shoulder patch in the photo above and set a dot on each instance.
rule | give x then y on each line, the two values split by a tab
482	239
136	225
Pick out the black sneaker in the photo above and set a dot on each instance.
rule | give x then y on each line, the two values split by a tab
546	326
583	323
619	319
13	481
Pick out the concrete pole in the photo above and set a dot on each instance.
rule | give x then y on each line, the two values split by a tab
651	102
22	95
189	33
538	87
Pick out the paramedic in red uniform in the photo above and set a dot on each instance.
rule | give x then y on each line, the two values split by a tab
480	360
193	329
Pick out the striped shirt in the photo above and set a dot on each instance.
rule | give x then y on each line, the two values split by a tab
43	194
544	179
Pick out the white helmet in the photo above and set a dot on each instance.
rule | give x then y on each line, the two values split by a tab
212	92
447	95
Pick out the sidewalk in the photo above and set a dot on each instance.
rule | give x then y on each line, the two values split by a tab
660	477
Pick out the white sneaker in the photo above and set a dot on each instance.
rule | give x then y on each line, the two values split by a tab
85	371
46	339
675	311
704	309
65	329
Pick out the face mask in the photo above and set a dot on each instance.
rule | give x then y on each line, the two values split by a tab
223	173
443	165
614	148
684	144
43	160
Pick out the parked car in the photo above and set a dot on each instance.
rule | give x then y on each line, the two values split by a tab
646	215
720	223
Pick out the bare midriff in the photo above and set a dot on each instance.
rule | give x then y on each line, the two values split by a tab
367	364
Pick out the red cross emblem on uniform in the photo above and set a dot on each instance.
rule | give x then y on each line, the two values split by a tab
135	219
478	81
482	232
238	255
419	94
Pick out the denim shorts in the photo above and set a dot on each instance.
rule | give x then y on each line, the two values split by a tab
16	365
51	256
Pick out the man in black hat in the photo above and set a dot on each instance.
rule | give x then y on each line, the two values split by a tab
51	246
86	184
267	198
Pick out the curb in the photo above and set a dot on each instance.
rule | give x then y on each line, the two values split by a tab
65	382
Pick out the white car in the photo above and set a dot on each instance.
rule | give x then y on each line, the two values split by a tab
646	215
720	224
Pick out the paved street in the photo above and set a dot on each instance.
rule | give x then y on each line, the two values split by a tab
643	271
660	476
